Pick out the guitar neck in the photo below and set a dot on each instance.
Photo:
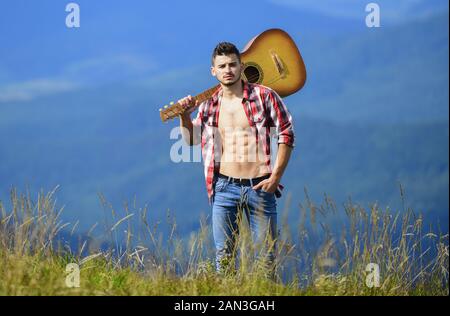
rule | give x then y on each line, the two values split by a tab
172	111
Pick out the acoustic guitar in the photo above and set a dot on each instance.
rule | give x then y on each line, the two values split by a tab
271	59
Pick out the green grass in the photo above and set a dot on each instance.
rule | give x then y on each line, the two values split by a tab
411	261
37	275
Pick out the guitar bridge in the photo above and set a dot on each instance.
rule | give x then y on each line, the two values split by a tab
278	63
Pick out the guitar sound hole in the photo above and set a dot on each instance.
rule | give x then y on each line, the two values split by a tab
252	74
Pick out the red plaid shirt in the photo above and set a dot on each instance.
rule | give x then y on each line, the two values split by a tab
267	116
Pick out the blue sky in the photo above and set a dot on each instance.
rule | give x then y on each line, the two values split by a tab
133	39
392	11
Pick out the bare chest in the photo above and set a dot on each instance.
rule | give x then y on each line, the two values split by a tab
232	115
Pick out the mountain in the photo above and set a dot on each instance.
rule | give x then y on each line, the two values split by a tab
373	115
387	75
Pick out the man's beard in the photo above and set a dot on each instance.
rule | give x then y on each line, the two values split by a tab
229	84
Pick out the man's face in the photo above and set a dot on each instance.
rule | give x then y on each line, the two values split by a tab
227	69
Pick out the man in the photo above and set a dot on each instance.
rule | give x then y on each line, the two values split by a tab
234	128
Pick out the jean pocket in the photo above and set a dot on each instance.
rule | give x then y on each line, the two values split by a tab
265	194
221	185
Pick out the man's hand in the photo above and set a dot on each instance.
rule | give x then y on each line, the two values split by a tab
188	105
269	185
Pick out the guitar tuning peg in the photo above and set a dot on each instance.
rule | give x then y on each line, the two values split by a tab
166	106
171	103
160	109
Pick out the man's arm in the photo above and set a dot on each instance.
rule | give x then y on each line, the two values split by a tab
282	120
283	156
190	135
187	130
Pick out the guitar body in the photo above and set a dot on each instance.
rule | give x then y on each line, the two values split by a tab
271	59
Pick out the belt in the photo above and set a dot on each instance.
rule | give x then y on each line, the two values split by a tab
244	182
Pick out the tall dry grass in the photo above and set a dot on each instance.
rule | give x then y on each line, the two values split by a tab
326	253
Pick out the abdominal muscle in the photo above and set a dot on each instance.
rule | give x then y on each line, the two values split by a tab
242	156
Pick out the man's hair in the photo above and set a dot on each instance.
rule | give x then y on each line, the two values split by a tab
225	48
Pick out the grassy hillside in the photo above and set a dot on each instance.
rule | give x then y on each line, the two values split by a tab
34	262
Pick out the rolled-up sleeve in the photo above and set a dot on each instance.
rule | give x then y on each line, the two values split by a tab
281	118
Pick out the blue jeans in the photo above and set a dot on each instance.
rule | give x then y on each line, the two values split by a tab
260	209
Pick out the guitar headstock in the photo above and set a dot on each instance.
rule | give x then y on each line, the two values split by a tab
170	111
173	110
